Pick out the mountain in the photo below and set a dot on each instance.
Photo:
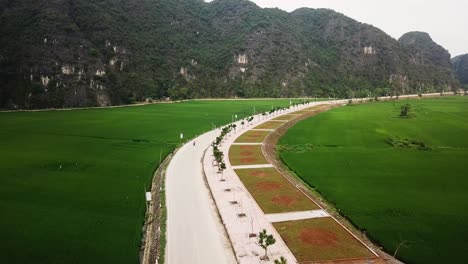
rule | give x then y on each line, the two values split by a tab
460	67
73	53
425	50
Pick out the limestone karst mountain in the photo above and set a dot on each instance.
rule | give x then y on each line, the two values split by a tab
460	67
72	53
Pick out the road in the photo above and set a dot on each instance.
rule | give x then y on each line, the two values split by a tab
194	231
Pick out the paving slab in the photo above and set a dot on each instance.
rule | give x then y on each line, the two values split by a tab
291	216
256	166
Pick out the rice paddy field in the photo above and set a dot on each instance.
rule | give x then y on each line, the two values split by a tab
402	180
72	183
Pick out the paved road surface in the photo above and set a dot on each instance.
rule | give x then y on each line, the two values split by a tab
194	232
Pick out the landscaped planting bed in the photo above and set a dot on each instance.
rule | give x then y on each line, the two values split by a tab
246	155
269	125
320	239
252	136
285	117
272	192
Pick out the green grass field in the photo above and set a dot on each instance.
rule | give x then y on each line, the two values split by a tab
396	194
72	182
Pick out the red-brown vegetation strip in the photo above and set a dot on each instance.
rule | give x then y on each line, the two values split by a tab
285	117
269	125
252	136
320	239
246	155
284	200
301	112
317	107
268	186
272	192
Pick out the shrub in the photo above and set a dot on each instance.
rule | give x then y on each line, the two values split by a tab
405	110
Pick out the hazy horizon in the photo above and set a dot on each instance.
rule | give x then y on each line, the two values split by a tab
445	21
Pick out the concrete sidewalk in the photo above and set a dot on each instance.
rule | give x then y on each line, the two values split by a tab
256	166
240	213
291	216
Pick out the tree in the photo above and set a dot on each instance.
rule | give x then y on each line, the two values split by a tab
242	123
250	119
265	240
405	110
222	167
281	260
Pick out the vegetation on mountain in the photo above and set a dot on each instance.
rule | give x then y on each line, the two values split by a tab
71	53
460	67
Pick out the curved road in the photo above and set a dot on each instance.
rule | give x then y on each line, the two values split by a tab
194	231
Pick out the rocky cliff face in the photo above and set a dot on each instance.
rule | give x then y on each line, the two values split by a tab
460	67
426	56
424	50
70	53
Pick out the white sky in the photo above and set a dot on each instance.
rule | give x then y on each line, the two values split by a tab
445	20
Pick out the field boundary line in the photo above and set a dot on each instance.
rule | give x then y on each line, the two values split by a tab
152	253
345	260
204	99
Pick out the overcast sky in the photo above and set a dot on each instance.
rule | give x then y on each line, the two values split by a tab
445	20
